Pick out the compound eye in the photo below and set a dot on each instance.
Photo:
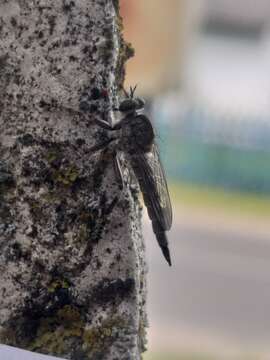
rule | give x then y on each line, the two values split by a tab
140	103
127	105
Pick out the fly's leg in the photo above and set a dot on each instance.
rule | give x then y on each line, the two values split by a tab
101	163
118	171
117	167
104	125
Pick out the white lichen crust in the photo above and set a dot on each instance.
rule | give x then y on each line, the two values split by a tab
71	252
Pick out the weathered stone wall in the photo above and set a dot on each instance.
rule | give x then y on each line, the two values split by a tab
72	263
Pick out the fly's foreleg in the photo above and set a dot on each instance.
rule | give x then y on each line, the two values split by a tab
104	125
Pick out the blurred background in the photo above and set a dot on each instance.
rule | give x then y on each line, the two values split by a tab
204	68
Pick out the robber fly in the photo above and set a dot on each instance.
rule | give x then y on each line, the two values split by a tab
137	141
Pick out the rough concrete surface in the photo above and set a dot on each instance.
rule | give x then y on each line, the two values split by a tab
71	252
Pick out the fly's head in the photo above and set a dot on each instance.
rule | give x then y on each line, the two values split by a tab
131	104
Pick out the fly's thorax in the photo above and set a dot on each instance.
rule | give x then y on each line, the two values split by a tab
137	133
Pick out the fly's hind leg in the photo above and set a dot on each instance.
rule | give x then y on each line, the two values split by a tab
118	170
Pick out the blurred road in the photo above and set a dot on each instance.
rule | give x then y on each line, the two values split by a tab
218	291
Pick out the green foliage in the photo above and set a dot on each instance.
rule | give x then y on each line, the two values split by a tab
229	201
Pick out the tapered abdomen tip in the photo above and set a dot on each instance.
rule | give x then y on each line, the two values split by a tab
166	253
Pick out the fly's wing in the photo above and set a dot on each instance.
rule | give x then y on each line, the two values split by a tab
153	184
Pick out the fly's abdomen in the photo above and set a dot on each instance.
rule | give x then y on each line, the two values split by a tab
150	192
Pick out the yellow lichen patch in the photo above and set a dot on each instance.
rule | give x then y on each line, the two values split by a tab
69	315
50	197
51	156
54	342
142	333
58	284
98	338
130	51
54	331
7	337
66	176
83	234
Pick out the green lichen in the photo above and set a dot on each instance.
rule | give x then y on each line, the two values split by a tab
61	175
50	197
98	339
57	332
142	334
7	336
54	331
129	51
58	284
83	234
52	155
66	176
116	6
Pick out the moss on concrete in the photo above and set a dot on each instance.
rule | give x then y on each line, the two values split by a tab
97	339
52	332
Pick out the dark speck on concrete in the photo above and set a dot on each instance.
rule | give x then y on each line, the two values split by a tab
85	106
96	93
111	290
26	140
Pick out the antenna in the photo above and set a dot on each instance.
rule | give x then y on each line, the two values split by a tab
132	91
125	92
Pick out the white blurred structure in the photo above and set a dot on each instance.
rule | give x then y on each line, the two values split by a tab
230	75
242	13
228	66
